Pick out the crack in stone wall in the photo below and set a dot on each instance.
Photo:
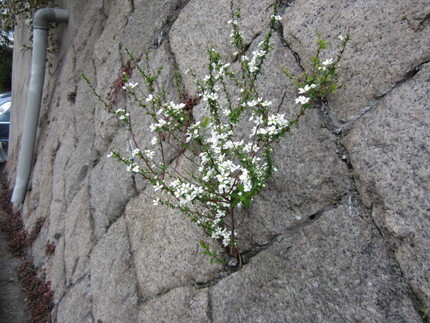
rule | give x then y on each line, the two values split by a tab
341	129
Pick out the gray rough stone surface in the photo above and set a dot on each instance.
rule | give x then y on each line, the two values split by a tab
390	150
182	304
339	234
387	41
75	306
336	270
109	193
113	277
165	248
78	237
310	177
202	24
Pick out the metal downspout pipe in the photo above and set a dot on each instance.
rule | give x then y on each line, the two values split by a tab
37	76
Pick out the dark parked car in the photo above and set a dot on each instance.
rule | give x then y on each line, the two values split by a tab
5	104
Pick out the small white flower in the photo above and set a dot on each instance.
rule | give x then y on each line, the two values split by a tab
210	96
276	17
302	99
150	154
135	152
156	201
158	186
328	62
130	85
341	38
253	67
244	58
266	104
133	168
150	98
252	103
154	141
124	116
262	131
259	53
307	88
110	155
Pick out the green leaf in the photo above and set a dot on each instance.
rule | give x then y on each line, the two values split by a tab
205	122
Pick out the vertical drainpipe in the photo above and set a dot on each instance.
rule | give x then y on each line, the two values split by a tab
38	62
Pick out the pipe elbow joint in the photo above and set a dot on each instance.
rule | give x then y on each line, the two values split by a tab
44	16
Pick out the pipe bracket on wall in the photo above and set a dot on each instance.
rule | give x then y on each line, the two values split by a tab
41	20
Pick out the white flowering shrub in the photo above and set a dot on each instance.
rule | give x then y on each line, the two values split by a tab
230	146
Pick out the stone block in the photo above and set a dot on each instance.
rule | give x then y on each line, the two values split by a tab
181	304
111	187
389	149
78	237
113	278
165	245
337	269
75	306
387	41
202	24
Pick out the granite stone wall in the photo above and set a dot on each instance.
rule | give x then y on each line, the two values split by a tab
340	234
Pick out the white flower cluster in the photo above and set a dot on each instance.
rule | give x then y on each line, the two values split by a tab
304	99
193	131
232	157
325	64
122	114
218	138
130	85
213	96
221	70
253	62
149	154
170	113
223	234
185	192
133	168
275	125
276	17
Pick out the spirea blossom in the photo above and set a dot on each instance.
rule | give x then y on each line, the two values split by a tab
135	152
130	85
206	163
134	168
302	99
276	17
210	96
328	62
306	88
